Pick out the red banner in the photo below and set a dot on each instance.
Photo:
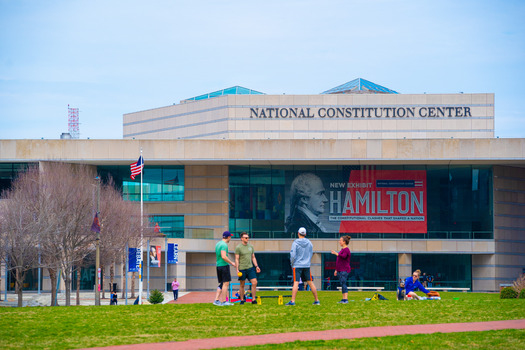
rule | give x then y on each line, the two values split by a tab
388	201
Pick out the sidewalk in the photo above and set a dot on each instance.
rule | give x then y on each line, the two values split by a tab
352	333
86	298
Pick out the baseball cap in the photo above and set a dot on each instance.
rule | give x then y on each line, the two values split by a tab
302	231
226	234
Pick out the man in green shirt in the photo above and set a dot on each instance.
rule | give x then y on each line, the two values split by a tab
247	266
223	268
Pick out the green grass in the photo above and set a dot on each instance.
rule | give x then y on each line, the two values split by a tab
88	326
503	339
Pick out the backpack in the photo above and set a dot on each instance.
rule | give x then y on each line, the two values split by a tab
378	296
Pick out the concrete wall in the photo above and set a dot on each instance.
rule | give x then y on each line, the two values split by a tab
205	202
227	152
367	116
509	226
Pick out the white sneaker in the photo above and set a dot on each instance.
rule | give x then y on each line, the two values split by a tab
227	303
217	303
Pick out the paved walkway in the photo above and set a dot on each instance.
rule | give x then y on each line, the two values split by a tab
194	298
352	333
86	298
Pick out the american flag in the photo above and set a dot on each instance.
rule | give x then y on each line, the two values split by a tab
136	168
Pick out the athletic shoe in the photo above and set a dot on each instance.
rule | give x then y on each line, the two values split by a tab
254	302
290	303
343	302
316	302
217	303
226	303
242	302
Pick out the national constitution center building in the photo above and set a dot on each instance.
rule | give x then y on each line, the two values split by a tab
417	180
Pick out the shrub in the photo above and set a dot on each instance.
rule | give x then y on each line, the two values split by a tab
522	294
156	297
508	293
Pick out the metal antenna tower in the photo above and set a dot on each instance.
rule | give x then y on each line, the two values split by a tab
72	122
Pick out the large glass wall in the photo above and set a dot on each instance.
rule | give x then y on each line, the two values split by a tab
368	270
87	278
275	269
160	184
30	280
447	270
170	225
9	171
388	201
256	199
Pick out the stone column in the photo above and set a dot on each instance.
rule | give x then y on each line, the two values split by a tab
404	265
317	270
180	271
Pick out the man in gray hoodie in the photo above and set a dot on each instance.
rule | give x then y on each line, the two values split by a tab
300	258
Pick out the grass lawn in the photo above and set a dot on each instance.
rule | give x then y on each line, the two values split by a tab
88	326
502	339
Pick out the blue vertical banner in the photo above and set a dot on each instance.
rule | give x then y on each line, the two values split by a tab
173	253
134	259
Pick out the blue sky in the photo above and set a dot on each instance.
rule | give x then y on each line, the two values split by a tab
113	57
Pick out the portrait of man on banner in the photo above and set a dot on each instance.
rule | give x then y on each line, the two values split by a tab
356	201
154	256
308	202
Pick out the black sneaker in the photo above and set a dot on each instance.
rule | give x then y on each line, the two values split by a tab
254	302
242	302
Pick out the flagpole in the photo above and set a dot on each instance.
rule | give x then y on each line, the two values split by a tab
97	254
141	231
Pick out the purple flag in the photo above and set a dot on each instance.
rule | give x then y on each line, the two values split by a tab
95	227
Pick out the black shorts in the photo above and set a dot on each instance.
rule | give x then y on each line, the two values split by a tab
248	274
223	274
302	273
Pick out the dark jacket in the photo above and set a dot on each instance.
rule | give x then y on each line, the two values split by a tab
298	220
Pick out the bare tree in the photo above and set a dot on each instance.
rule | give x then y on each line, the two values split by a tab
20	223
51	209
68	193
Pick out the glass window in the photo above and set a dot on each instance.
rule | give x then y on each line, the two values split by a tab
30	280
448	270
275	269
170	225
9	171
368	270
87	278
256	199
160	183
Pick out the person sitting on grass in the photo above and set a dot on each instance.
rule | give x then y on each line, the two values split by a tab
411	283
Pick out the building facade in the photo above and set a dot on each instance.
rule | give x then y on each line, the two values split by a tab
417	181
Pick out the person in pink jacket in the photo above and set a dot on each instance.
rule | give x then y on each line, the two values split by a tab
175	288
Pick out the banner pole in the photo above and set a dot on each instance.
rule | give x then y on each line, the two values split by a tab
126	274
165	264
147	257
